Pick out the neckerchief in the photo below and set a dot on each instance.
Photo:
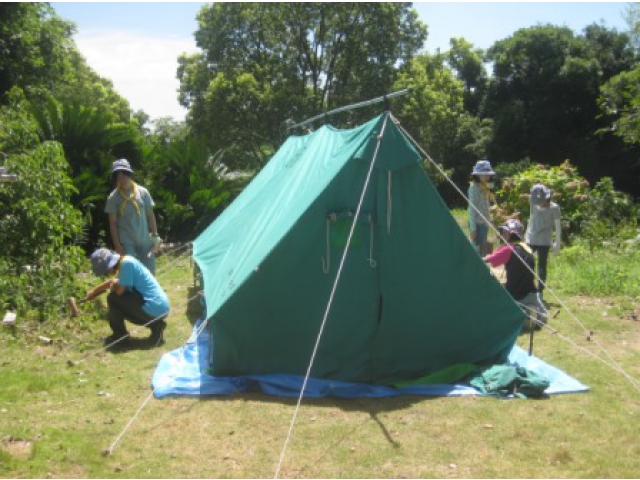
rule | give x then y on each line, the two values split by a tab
131	198
524	246
488	191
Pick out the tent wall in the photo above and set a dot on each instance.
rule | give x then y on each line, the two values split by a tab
427	302
440	304
271	323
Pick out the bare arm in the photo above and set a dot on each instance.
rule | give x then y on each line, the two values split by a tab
100	289
558	228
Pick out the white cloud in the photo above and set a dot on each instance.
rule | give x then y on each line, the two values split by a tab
142	68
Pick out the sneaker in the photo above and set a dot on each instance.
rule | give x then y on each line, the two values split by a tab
157	331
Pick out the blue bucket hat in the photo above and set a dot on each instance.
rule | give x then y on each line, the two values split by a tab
103	260
121	165
540	194
482	167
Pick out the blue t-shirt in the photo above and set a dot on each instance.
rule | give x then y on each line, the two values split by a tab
135	275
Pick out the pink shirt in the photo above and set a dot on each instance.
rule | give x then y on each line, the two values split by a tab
500	256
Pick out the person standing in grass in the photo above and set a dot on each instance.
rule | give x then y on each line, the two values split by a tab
135	295
519	263
132	222
544	221
480	198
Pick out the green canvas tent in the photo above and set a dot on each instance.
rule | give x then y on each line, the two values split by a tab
412	298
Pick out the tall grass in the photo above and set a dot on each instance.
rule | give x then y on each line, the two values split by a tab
599	273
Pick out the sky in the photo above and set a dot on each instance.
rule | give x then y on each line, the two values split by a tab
136	44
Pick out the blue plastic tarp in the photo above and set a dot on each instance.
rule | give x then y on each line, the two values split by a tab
184	371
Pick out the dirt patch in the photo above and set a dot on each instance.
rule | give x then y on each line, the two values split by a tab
17	447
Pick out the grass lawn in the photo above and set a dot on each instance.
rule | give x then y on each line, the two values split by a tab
56	418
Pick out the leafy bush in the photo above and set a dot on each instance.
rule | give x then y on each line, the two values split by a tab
508	170
38	230
596	216
607	217
568	187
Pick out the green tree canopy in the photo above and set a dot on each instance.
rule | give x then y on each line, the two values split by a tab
544	91
38	55
468	63
434	107
33	46
263	63
621	101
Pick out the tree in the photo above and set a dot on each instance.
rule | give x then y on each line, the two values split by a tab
38	55
621	101
33	42
190	186
468	63
632	17
620	96
543	95
90	141
436	116
263	63
80	85
540	76
434	107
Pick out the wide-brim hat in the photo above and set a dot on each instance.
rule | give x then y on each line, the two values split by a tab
540	194
103	260
121	165
483	167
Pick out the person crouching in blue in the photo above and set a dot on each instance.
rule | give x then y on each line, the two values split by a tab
135	296
519	263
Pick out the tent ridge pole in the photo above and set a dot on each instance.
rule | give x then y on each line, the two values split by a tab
384	99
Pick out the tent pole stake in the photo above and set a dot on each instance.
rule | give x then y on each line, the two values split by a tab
531	341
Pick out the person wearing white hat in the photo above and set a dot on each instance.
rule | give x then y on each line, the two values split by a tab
135	295
480	198
132	222
544	221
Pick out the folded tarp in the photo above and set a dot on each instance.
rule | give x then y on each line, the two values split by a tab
184	371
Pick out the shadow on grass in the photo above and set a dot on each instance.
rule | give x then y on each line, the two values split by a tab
372	406
134	344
